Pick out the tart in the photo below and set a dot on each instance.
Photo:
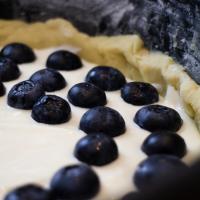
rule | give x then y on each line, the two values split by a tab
126	53
128	56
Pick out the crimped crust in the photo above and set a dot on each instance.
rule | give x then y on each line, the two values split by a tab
124	52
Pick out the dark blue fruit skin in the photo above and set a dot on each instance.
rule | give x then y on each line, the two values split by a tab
64	60
86	95
164	143
130	196
105	77
50	79
8	70
155	168
18	52
28	192
96	149
157	118
2	89
51	109
103	120
139	93
75	182
24	94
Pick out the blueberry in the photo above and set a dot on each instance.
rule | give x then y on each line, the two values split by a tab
106	78
28	192
76	182
2	89
164	143
139	93
86	95
51	109
102	120
96	149
8	70
64	60
156	118
50	79
24	94
130	196
155	168
18	52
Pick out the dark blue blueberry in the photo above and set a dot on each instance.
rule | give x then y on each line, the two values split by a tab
106	78
2	89
102	120
50	79
139	93
130	196
164	143
8	70
64	60
18	52
96	149
24	94
76	182
51	109
86	95
28	192
156	118
155	168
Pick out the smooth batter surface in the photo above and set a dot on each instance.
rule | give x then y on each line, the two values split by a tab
31	152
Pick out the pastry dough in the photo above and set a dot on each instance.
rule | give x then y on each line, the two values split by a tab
124	52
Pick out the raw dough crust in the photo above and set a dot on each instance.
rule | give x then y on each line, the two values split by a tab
124	52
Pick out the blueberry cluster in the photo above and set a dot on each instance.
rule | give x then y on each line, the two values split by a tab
10	56
30	94
8	66
101	124
69	183
163	146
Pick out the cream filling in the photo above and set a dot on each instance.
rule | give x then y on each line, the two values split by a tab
31	152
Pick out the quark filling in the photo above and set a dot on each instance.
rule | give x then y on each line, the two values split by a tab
31	152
